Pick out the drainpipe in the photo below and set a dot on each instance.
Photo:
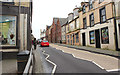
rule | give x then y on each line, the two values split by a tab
115	26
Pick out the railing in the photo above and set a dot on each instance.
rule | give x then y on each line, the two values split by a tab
29	67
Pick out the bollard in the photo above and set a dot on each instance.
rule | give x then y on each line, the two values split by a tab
22	58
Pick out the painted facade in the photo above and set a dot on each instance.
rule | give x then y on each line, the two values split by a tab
73	28
97	24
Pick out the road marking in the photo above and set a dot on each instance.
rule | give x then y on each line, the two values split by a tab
113	70
98	65
55	66
86	60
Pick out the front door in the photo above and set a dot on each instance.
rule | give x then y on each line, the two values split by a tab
97	38
83	39
73	40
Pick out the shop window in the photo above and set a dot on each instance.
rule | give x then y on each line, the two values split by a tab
77	37
84	23
92	19
7	30
102	15
105	35
92	37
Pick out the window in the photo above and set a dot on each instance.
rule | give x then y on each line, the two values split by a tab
101	1
84	9
84	23
75	23
92	19
68	27
77	37
71	38
105	35
90	4
92	37
7	30
68	38
102	15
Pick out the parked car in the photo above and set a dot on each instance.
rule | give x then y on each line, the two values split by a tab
44	43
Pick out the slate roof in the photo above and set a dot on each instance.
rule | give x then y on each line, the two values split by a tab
63	21
48	27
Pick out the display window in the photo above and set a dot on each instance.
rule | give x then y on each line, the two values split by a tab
7	30
92	37
105	35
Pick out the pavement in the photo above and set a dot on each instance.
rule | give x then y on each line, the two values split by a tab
41	66
93	50
106	62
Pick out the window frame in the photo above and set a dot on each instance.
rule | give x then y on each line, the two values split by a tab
77	37
102	36
10	46
84	9
91	20
90	4
102	15
90	36
84	23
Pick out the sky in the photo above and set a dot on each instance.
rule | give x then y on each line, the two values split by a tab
45	10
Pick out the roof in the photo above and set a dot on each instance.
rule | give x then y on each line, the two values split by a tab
63	21
48	27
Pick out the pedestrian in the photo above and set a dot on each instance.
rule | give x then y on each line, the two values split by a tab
34	43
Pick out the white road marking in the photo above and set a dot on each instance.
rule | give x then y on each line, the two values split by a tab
113	70
98	65
86	60
55	66
92	62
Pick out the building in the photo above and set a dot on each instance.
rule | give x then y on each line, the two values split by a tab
15	31
56	29
63	33
117	5
73	28
47	32
43	34
97	24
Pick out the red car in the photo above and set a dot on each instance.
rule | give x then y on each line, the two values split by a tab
44	43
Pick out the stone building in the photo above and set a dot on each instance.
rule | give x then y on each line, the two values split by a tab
15	31
73	28
98	24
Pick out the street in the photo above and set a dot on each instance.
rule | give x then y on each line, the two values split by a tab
66	63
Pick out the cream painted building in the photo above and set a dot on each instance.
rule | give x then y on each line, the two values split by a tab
73	28
97	24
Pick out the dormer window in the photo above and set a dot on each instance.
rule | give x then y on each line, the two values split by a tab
84	9
90	4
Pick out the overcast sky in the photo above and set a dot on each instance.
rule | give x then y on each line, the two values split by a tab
45	10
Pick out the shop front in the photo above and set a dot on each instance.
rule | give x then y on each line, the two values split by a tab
7	30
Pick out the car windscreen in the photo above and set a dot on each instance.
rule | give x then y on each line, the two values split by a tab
44	41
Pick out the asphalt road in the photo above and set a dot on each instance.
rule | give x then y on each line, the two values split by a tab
66	63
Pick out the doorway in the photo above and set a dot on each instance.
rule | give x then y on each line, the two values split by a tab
83	39
97	38
73	40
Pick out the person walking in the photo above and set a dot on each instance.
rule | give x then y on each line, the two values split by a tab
34	43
